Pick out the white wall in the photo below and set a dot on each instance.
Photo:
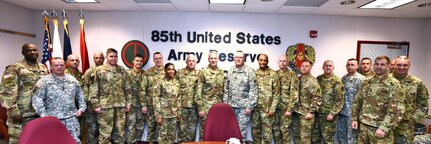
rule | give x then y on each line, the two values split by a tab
16	19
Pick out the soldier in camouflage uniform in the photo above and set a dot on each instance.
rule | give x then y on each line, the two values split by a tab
57	94
352	80
310	97
267	101
135	117
366	64
90	116
154	74
240	92
16	91
166	105
416	101
288	98
110	97
209	89
72	67
378	105
422	139
188	78
332	101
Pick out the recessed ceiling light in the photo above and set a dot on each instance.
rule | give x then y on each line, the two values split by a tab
81	1
347	2
425	5
386	4
227	1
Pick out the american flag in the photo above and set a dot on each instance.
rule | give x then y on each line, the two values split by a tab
46	42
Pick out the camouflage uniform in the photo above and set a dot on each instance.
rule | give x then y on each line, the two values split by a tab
135	117
268	97
209	91
369	75
288	98
240	92
57	97
309	102
90	117
77	74
187	125
422	139
416	101
344	125
16	91
379	105
111	92
154	75
332	102
166	105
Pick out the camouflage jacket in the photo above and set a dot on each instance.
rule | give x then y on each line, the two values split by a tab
153	75
310	95
351	86
379	103
370	75
138	82
17	86
268	84
209	89
416	98
87	81
289	90
58	97
240	88
332	94
77	74
188	82
111	87
166	98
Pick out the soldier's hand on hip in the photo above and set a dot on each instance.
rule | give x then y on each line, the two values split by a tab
17	118
98	110
380	133
288	114
247	111
354	124
144	110
330	117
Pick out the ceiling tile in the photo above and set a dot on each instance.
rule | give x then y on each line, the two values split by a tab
295	10
157	6
190	2
123	6
189	7
90	6
226	8
116	1
266	3
261	9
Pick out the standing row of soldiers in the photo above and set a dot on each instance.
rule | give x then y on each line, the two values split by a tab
121	101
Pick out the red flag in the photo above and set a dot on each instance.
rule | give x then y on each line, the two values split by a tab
83	48
300	54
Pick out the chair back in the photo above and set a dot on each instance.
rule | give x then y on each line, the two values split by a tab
46	130
221	124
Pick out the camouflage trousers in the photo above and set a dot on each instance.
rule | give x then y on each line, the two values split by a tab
281	127
201	127
404	132
72	125
112	122
367	136
150	119
422	139
167	131
92	128
302	129
262	127
323	130
14	129
344	132
187	125
243	120
135	125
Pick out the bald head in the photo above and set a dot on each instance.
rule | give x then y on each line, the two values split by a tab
98	58
30	53
282	62
73	61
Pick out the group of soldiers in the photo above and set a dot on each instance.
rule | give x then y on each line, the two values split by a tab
111	104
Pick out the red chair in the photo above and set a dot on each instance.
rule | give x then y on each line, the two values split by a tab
45	130
221	124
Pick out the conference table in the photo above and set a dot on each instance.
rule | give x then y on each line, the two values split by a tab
205	142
